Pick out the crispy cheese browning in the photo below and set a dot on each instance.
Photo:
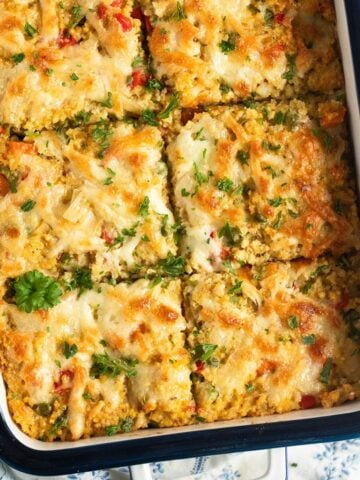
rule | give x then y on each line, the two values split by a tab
272	339
267	181
59	58
100	198
109	360
212	51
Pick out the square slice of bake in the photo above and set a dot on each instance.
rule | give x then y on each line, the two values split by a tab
274	339
59	58
267	181
96	197
105	360
211	51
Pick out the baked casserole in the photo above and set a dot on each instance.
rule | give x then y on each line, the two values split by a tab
179	233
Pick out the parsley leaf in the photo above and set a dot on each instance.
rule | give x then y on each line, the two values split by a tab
231	234
204	351
291	67
277	222
149	117
30	30
173	103
143	210
276	201
326	140
59	423
81	279
269	17
18	58
35	291
229	45
101	135
309	339
178	14
70	350
109	180
125	425
236	288
108	102
293	322
325	372
103	365
225	184
311	280
28	205
153	84
172	266
243	157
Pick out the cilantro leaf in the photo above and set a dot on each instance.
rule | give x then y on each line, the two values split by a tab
35	291
70	350
30	30
173	103
172	266
204	351
143	209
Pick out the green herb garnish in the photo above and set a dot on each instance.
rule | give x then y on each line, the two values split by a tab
35	291
28	205
103	365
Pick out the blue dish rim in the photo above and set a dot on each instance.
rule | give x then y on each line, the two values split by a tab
194	443
180	445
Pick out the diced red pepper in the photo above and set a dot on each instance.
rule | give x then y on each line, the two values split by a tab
137	13
147	23
200	365
105	235
225	253
307	401
66	40
118	3
279	17
65	381
212	234
101	11
124	22
4	186
138	78
343	302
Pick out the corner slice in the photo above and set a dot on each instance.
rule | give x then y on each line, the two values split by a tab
267	181
211	51
58	58
274	339
104	361
99	196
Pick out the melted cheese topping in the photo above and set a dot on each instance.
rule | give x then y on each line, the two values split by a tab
273	338
212	51
258	182
67	68
127	322
85	204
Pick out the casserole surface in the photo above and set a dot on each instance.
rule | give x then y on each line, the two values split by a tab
275	175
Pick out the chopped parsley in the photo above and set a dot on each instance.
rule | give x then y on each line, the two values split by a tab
76	17
178	14
278	221
325	372
184	192
269	17
270	147
101	135
249	387
70	350
153	84
30	30
60	422
18	58
35	291
225	184
172	105
149	117
309	339
279	118
276	201
290	73
28	205
108	102
109	180
43	409
243	157
293	322
143	209
199	176
204	352
229	45
74	77
172	266
125	426
312	278
81	279
326	140
105	366
231	234
236	288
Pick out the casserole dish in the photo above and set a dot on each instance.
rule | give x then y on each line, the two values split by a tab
43	458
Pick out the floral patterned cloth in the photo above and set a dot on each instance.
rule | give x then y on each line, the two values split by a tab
324	461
